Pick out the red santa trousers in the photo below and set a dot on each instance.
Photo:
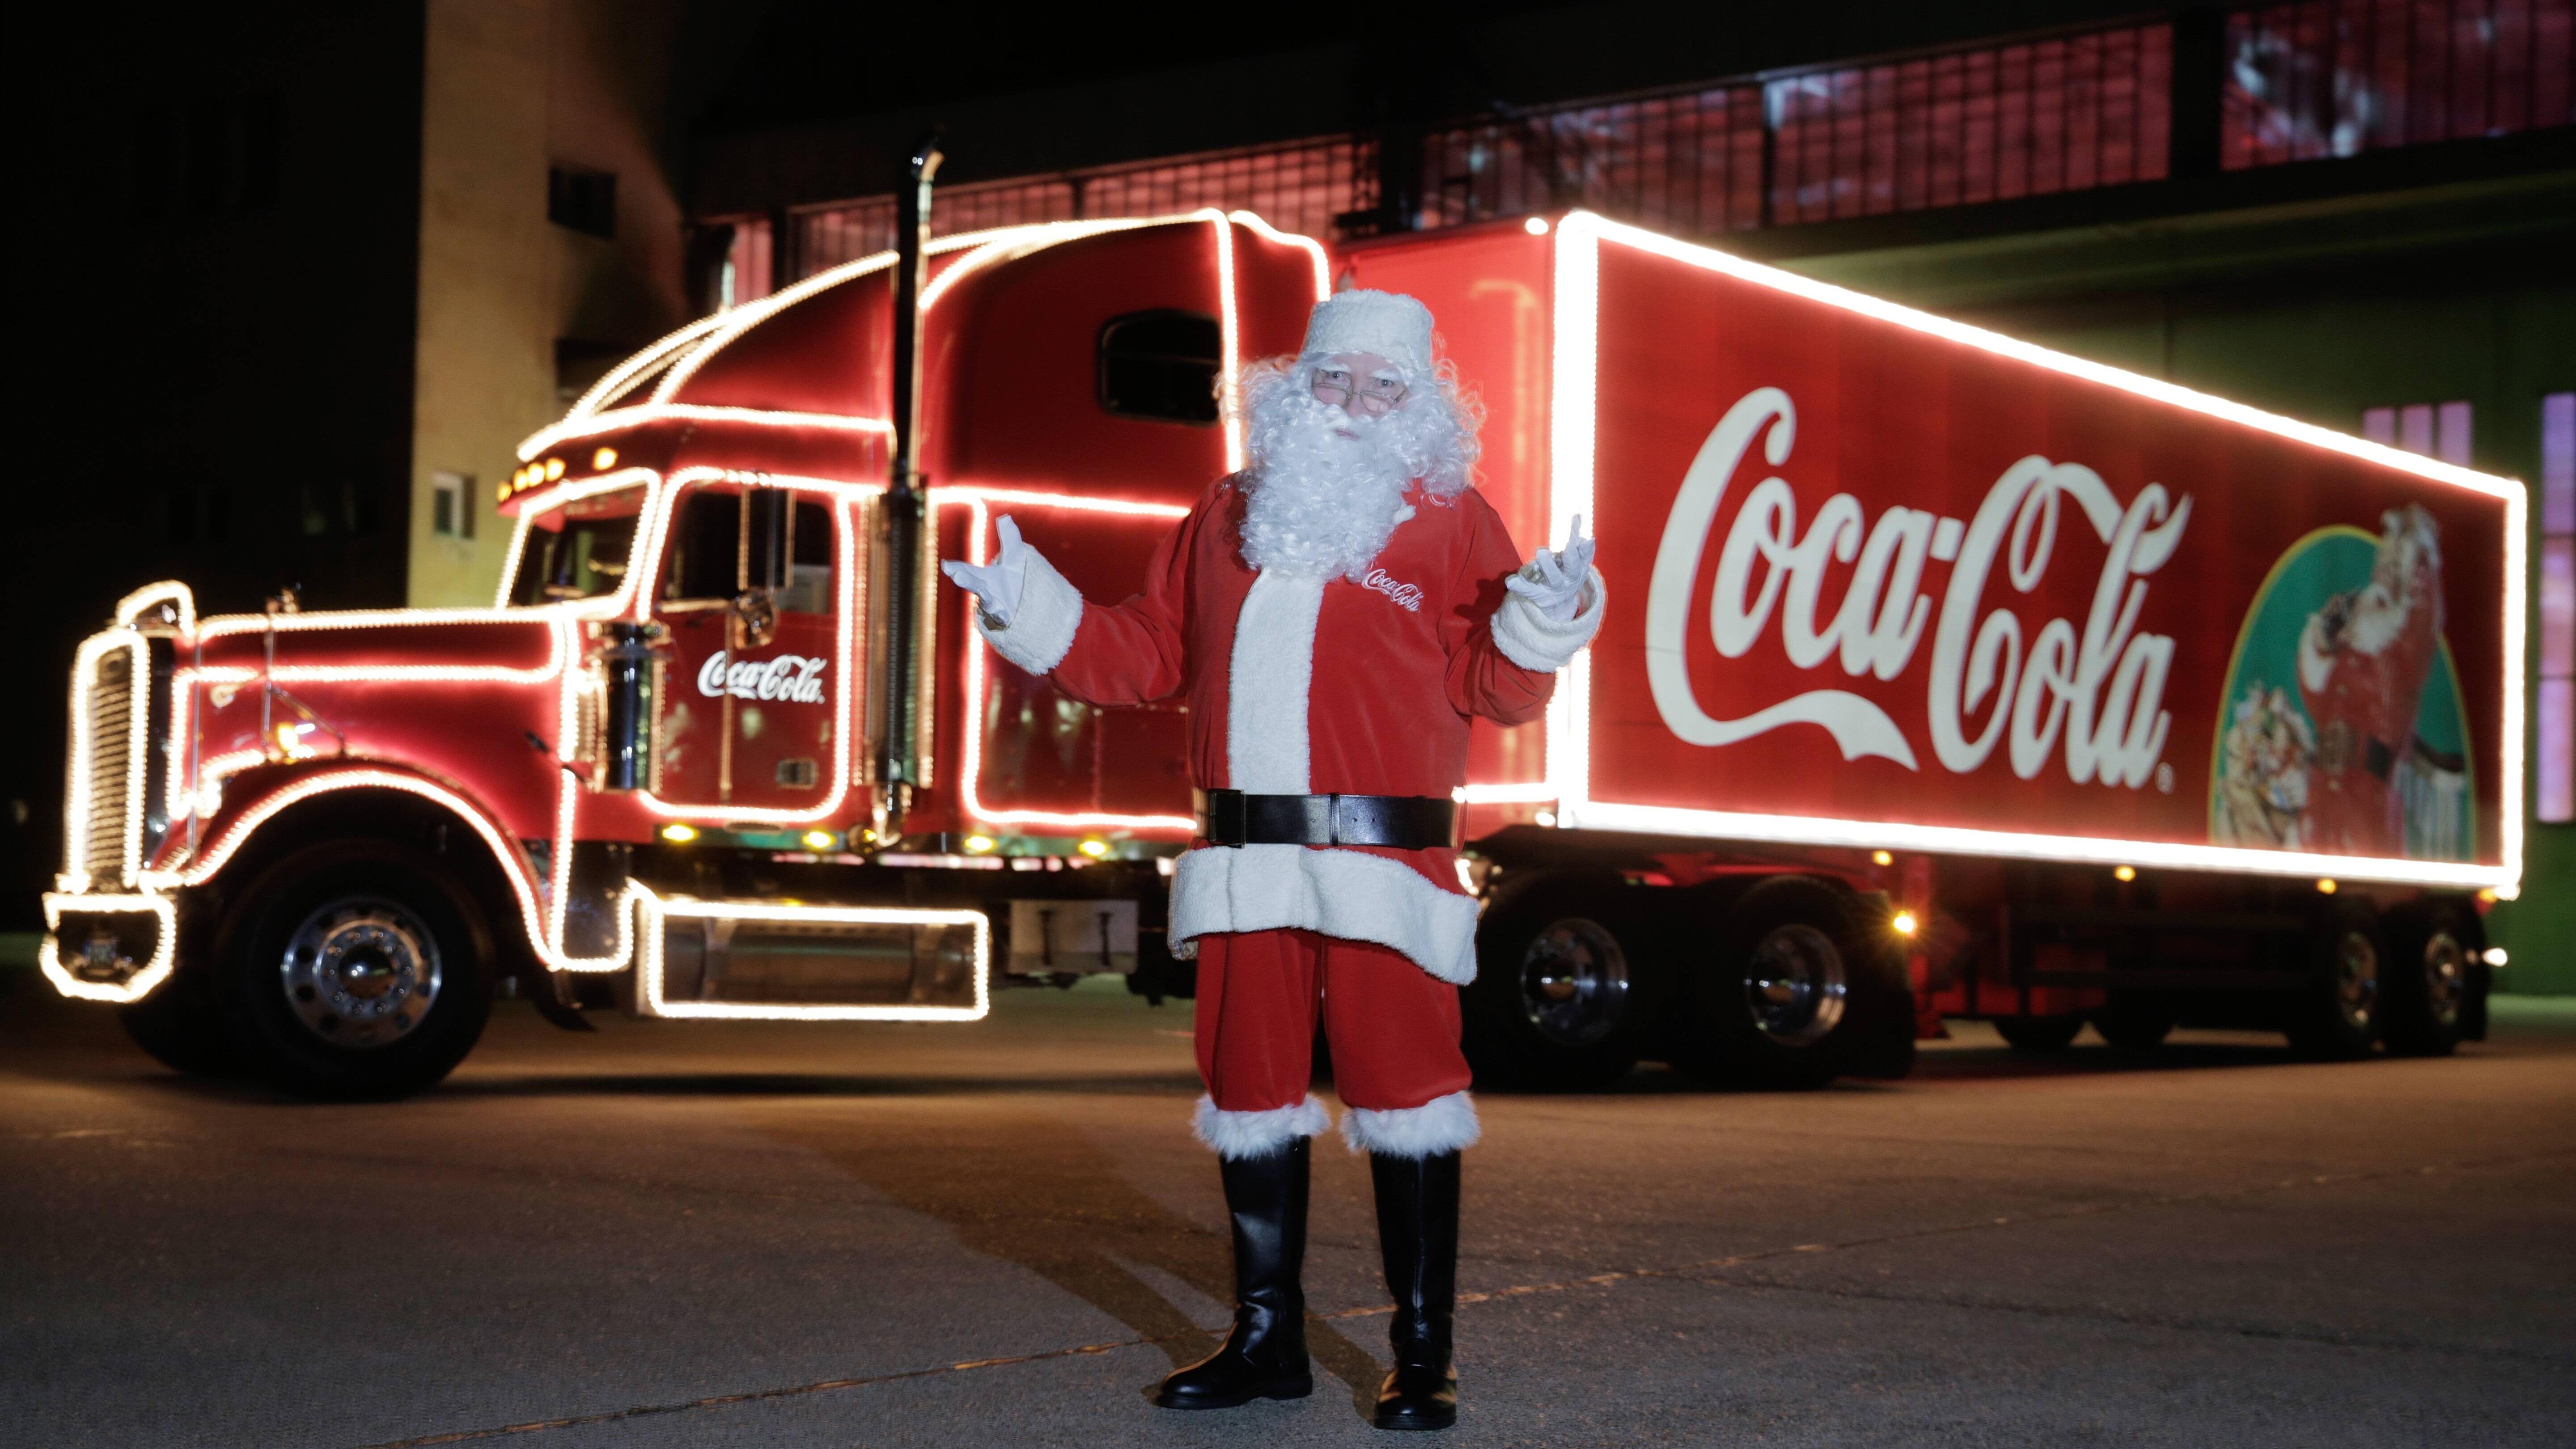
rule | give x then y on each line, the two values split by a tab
1393	1028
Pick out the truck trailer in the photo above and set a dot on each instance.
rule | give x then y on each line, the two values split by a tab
1943	676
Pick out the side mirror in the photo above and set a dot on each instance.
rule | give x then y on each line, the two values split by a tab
768	516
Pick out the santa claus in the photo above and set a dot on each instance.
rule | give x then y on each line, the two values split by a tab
1334	615
2363	660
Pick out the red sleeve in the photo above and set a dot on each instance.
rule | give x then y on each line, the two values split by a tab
1482	680
1135	652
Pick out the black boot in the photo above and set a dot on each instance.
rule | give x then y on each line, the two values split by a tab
1265	1356
1417	1234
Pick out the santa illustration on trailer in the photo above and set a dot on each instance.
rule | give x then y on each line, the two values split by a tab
2363	660
1334	615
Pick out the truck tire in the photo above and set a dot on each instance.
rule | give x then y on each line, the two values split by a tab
2132	1026
2336	1019
1773	1007
2425	990
350	971
1568	978
179	1027
2039	1033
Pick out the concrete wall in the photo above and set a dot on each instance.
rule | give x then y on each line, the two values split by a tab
512	87
2316	311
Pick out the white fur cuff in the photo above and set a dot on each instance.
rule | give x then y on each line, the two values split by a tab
1540	644
1238	1135
1437	1127
1041	628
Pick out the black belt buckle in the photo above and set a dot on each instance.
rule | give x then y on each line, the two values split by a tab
1222	816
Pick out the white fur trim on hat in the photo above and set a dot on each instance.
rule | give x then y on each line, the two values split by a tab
1238	1135
1388	324
1042	627
1440	1126
1532	640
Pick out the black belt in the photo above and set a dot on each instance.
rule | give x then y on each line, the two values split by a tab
1400	822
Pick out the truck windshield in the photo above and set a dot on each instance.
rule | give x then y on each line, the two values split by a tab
578	551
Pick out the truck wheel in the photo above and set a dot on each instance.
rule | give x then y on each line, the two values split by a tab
2039	1033
349	970
2131	1027
2426	987
1565	985
179	1027
1773	1007
2337	1018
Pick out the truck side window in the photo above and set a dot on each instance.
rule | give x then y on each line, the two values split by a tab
1160	364
809	573
706	547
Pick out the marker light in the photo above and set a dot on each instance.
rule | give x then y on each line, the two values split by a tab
2124	873
1881	857
2496	956
1545	817
821	840
554	469
1535	226
1904	923
978	844
603	460
679	834
1094	848
2487	896
2326	885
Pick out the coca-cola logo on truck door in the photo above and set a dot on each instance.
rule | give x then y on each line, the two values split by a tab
2086	690
788	678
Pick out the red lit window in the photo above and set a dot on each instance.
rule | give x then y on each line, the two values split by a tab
2339	78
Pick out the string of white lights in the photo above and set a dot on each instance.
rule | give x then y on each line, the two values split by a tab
654	910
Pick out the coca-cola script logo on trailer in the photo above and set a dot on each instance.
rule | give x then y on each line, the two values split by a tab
789	678
2097	683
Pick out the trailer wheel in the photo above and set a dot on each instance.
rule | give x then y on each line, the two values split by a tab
179	1027
2337	1017
350	970
2427	984
1567	977
1774	1007
2132	1027
2039	1033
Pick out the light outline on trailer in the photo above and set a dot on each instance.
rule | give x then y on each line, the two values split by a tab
652	910
1574	418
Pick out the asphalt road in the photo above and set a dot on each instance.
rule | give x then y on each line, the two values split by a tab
1001	1234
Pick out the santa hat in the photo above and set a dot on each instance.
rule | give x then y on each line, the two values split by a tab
1387	324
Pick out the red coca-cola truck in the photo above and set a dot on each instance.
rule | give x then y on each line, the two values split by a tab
1943	676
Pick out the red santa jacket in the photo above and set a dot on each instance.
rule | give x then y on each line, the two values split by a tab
1302	686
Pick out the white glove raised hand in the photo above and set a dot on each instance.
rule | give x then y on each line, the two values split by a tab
996	585
1553	581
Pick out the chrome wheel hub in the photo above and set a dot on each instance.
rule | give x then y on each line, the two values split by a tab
1796	985
361	972
1574	982
2356	980
2446	976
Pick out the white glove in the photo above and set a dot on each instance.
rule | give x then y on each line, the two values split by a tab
1553	581
996	585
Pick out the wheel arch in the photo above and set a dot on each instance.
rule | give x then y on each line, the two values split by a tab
379	804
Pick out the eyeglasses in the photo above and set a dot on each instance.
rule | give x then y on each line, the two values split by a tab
1386	390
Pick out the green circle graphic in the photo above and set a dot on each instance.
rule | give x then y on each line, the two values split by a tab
2435	779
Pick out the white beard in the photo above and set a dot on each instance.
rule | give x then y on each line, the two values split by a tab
1327	488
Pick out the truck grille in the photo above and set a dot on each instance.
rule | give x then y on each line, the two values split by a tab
111	737
124	679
